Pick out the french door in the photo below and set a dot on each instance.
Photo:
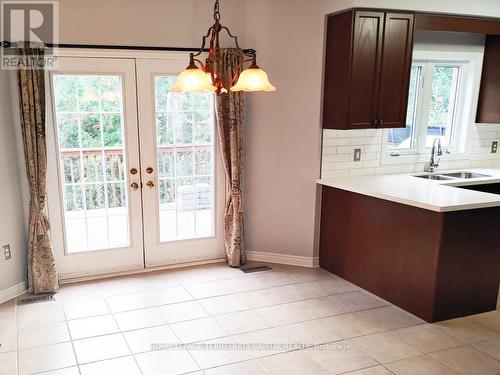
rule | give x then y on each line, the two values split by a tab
132	177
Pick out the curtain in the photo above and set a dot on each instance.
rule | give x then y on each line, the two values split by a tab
229	125
42	274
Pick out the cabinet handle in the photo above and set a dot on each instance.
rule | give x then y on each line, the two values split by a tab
134	185
380	122
150	184
375	122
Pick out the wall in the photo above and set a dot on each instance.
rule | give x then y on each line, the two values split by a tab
12	229
338	146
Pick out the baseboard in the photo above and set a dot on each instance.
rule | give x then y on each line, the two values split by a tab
292	260
13	292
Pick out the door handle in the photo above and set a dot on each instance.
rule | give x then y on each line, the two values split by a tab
150	184
134	185
149	170
133	171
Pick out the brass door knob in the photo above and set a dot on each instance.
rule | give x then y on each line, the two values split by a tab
134	185
133	171
149	170
150	184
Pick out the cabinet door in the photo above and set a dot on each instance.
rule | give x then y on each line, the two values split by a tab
395	70
365	68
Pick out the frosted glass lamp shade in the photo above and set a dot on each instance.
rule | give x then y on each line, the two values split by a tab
194	80
253	79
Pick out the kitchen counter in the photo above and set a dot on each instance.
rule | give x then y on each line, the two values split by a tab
435	195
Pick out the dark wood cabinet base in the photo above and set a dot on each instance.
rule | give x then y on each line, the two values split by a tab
435	265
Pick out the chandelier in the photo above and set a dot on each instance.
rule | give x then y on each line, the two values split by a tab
201	77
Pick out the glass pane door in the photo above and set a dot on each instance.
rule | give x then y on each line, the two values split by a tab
94	149
178	145
185	154
89	118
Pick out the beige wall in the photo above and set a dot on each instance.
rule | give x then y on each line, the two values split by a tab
12	227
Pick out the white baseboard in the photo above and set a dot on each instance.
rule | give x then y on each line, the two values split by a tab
13	292
292	260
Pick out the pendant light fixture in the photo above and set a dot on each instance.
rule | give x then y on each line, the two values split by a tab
202	78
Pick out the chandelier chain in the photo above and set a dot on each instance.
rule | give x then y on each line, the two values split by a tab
216	11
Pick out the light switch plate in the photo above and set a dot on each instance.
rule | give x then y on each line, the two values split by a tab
357	154
6	252
494	147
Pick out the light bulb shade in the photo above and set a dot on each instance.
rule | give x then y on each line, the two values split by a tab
253	79
193	80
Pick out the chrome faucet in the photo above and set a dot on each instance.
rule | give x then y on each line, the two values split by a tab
434	163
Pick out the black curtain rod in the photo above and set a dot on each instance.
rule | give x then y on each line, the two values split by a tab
7	44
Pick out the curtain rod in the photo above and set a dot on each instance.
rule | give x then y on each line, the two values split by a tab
7	44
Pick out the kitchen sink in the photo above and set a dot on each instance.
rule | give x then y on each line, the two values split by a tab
465	175
434	177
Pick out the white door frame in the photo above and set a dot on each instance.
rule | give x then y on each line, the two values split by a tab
79	264
180	251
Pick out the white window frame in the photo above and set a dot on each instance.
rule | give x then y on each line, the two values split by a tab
470	64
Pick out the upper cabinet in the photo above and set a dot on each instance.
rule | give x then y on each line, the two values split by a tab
488	108
367	69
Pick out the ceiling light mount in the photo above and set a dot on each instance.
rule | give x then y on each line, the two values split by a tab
201	77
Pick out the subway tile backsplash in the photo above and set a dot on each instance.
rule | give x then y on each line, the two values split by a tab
339	145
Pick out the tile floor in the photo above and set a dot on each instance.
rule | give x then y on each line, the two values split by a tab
266	323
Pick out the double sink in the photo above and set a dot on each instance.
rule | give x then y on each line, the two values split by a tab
452	176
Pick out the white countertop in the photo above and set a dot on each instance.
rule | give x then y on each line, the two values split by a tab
435	195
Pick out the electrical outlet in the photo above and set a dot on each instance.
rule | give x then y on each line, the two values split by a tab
494	147
6	252
357	154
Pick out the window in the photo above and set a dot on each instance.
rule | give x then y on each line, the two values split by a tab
438	107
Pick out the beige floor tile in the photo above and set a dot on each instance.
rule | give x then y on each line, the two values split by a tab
297	292
282	314
377	370
341	358
350	325
490	320
8	363
169	295
223	304
40	314
137	319
180	312
46	358
261	298
276	277
383	347
490	347
86	309
122	285
118	366
321	307
166	362
467	360
93	326
208	289
46	334
309	274
426	338
243	368
243	321
64	371
334	285
79	292
246	283
128	302
355	301
100	348
293	363
390	317
145	340
219	352
198	330
312	332
263	343
465	330
422	365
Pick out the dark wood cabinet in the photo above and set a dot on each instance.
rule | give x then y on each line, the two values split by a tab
488	108
367	69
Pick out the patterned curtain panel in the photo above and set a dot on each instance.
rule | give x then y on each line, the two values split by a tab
42	275
229	124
